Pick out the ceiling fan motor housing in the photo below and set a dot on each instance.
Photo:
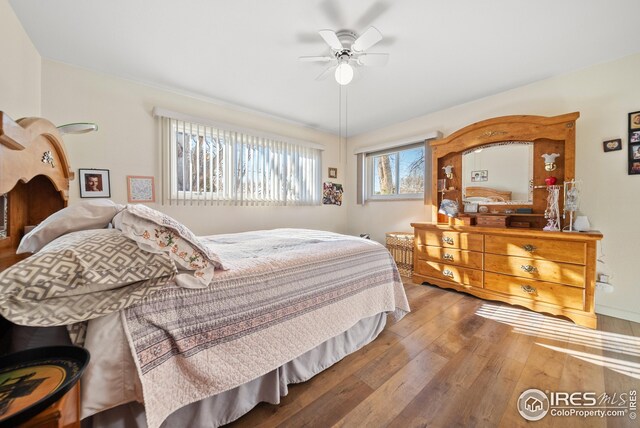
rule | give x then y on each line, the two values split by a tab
347	38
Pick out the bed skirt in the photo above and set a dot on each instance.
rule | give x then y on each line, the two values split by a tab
230	405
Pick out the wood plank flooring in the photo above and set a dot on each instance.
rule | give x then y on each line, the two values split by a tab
458	361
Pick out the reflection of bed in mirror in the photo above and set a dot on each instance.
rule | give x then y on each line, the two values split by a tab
480	195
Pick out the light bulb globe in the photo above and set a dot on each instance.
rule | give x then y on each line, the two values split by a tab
344	73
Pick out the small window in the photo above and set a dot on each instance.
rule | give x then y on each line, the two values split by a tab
397	174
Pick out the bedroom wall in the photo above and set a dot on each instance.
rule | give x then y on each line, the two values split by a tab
21	67
603	95
127	143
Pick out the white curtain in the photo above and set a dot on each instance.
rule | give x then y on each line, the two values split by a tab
205	165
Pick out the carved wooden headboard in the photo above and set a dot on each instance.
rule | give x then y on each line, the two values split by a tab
34	174
487	192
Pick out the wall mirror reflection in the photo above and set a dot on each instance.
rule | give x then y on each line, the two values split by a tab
498	174
4	215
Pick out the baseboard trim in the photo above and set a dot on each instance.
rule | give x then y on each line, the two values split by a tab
618	313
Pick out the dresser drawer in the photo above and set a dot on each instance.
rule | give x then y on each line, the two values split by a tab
471	259
561	295
449	239
543	270
554	250
457	274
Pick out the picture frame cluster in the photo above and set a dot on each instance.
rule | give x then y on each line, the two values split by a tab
634	143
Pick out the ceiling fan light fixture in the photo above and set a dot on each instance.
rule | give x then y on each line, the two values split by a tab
344	73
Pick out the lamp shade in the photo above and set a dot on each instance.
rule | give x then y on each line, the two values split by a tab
344	73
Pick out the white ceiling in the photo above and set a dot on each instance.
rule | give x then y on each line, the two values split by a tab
245	52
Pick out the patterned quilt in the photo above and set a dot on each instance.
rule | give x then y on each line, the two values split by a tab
286	292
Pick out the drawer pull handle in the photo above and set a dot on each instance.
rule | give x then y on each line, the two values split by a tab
447	240
448	273
447	257
529	268
529	248
528	289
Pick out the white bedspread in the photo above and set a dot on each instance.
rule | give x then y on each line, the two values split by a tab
286	292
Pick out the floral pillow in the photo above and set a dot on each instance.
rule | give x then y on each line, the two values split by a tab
145	213
161	239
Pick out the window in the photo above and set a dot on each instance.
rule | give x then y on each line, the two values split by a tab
207	164
397	173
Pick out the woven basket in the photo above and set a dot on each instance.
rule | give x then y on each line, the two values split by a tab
400	245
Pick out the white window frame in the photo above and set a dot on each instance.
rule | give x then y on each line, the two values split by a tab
369	174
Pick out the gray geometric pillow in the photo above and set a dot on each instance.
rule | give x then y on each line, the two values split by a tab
80	276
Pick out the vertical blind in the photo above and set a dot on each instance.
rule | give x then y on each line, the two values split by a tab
207	165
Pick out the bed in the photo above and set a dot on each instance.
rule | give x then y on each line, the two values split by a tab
183	331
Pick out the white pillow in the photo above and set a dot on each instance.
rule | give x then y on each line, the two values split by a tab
94	214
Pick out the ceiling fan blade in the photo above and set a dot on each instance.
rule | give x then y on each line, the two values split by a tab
315	58
373	59
326	72
366	40
331	38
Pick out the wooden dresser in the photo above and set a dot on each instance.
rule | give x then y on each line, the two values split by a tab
552	272
547	271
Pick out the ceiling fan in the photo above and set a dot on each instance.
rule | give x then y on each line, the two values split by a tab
348	50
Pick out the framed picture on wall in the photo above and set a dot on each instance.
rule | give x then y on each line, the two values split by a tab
94	183
480	175
140	189
634	143
634	120
611	145
333	172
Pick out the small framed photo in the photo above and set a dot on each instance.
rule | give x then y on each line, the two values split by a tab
634	137
333	172
140	189
634	120
470	207
94	183
481	175
611	145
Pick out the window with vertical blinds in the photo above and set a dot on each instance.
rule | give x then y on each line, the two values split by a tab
209	165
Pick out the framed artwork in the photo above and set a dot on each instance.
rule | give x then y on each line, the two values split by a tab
94	183
481	175
611	145
332	193
140	189
470	207
333	172
634	120
634	143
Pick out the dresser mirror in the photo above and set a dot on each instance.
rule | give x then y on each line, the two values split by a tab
4	215
498	174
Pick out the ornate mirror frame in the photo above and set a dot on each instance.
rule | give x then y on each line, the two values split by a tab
554	134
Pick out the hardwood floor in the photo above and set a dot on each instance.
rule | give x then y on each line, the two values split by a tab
456	360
